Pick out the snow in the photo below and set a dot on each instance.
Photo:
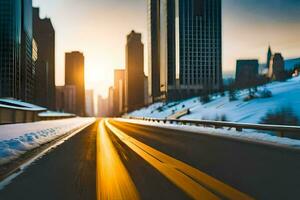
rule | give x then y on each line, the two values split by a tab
16	104
55	114
246	135
284	94
16	139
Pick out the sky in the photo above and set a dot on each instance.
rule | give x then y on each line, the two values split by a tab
98	28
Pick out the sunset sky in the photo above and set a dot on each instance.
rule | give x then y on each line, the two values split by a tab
98	28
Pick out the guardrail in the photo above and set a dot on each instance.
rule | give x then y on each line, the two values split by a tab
281	130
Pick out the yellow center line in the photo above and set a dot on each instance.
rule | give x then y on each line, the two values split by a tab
113	180
195	183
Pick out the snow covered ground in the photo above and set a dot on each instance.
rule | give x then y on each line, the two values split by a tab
55	114
284	94
16	139
246	135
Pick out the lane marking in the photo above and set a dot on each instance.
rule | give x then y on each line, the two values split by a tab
195	183
113	180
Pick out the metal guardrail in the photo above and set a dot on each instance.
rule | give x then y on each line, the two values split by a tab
281	130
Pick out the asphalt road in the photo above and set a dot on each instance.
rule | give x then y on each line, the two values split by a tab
66	172
115	160
258	170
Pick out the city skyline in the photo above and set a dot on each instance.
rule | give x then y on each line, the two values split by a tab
265	25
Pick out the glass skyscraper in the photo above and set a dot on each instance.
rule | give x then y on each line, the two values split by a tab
16	60
27	72
10	48
190	46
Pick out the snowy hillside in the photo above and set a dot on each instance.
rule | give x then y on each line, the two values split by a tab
284	95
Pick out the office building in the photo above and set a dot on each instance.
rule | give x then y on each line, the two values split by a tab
44	34
246	72
27	70
74	75
17	71
134	74
153	50
189	46
119	92
89	105
66	99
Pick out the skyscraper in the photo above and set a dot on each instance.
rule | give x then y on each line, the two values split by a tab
134	75
27	67
119	92
44	34
74	75
10	51
153	51
17	72
190	45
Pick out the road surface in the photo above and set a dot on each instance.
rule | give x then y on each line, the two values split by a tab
66	172
113	159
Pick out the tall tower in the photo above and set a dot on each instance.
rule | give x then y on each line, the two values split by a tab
134	74
269	57
10	48
154	50
44	34
27	66
74	75
17	52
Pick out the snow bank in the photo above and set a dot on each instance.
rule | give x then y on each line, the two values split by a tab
55	114
248	135
284	94
16	139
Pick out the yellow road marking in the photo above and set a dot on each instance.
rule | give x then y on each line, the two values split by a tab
195	183
113	180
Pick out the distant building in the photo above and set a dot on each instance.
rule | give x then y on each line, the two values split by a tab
89	99
110	102
119	92
185	39
246	72
102	107
74	75
276	70
134	75
17	73
66	98
44	35
269	57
